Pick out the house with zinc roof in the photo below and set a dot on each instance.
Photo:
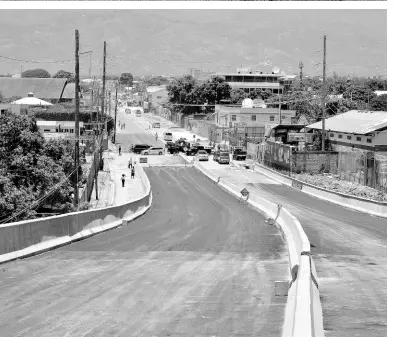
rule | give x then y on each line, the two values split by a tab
356	130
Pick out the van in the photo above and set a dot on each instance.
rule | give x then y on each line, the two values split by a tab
167	136
222	157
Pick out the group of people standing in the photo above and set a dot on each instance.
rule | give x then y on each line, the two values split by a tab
122	125
132	172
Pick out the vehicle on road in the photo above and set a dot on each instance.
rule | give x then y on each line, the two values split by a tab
172	147
153	151
202	155
167	136
221	157
128	111
138	148
239	154
191	150
156	125
138	113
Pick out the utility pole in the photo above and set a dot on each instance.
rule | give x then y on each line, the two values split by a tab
323	101
301	66
280	109
103	94
90	65
116	111
109	103
76	162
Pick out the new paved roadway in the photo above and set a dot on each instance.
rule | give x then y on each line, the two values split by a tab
349	249
198	263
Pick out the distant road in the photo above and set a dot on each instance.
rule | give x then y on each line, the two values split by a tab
198	263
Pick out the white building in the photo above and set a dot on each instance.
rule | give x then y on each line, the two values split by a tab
356	130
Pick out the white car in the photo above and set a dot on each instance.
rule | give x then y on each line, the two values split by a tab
202	155
153	151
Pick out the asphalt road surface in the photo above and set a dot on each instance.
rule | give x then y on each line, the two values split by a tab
198	263
133	133
349	249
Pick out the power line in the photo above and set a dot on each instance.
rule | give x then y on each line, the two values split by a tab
35	61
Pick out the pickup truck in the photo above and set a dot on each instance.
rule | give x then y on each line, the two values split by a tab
239	155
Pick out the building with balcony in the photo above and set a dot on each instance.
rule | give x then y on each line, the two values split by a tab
277	82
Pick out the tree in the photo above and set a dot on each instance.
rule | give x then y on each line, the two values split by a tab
213	91
31	169
62	74
36	73
378	103
126	79
237	96
182	90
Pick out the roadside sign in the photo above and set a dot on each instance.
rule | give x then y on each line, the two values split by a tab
143	159
244	192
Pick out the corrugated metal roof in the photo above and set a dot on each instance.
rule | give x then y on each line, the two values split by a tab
354	121
44	88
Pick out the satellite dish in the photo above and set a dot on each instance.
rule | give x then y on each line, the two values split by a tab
247	103
276	70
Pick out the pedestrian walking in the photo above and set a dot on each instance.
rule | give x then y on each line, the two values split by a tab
130	163
123	179
120	150
156	136
132	172
124	126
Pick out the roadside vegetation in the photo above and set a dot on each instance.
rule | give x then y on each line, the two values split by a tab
35	175
333	184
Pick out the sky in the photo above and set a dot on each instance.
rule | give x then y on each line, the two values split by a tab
169	42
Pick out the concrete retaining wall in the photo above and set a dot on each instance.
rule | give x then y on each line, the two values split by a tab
359	204
26	238
303	314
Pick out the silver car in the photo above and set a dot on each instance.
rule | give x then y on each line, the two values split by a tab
202	155
153	151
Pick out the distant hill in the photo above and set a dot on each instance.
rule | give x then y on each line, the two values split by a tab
172	41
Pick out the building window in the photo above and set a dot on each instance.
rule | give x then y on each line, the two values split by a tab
47	130
369	141
331	135
253	117
349	137
340	136
233	117
272	118
358	138
71	131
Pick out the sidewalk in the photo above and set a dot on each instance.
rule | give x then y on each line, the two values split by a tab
110	188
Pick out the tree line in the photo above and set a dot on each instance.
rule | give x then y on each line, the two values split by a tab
343	94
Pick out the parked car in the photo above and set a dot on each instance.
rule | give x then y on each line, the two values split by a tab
239	154
156	125
167	136
128	111
202	155
153	151
221	157
138	148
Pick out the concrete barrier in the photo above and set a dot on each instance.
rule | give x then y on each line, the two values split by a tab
303	313
372	207
26	238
